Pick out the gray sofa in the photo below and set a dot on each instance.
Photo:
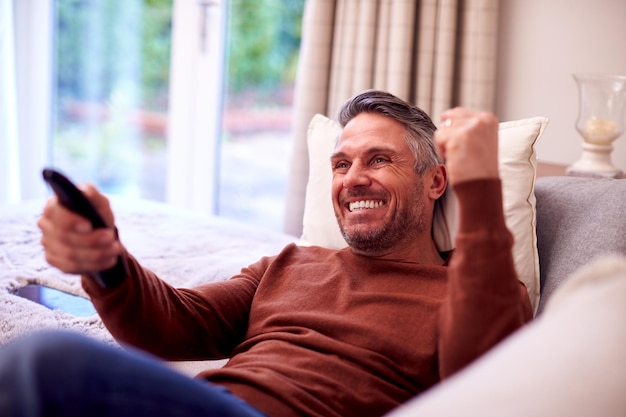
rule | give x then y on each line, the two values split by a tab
578	220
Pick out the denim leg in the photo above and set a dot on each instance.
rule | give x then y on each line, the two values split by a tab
65	374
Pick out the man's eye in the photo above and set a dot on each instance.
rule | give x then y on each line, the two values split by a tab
379	160
341	165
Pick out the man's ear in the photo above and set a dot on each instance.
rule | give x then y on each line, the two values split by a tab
439	180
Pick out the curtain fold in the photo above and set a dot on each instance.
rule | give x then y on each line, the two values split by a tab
434	53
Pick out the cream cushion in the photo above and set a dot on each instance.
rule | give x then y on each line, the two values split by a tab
518	164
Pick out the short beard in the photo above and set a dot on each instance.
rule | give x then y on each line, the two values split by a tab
402	227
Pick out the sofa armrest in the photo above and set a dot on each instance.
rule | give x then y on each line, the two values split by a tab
578	220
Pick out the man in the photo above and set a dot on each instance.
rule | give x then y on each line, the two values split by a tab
309	331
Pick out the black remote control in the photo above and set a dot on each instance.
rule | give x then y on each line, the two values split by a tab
73	199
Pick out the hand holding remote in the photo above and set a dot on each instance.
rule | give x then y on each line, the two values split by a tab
73	199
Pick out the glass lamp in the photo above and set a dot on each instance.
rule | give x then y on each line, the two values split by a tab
602	104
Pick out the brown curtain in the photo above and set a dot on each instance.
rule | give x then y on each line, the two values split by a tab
434	53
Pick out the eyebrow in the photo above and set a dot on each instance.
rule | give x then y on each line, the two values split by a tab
370	151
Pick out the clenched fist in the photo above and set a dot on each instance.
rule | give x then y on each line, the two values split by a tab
468	141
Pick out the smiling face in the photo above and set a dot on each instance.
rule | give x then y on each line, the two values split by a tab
380	201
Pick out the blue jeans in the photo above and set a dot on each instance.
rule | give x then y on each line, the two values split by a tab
64	374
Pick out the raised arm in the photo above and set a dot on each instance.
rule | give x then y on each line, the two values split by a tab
486	302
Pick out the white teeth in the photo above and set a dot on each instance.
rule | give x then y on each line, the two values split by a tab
365	204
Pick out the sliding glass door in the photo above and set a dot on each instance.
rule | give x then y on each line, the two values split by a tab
262	54
111	86
183	101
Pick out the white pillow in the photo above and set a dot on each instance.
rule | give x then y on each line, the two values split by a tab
518	166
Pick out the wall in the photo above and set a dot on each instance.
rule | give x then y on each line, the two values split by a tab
542	43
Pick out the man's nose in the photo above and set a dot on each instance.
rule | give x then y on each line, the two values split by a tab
357	176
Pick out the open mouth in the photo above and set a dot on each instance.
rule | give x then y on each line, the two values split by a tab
365	205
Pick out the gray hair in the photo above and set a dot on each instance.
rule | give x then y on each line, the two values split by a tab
419	127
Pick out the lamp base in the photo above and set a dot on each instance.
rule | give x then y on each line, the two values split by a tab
595	162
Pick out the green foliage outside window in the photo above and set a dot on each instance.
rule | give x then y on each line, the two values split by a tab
264	38
93	38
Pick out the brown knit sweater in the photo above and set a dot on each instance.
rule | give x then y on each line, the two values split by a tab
319	332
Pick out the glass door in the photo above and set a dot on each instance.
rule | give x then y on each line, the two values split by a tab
183	101
110	93
262	55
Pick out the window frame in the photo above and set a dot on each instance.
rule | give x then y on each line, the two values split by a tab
33	36
196	103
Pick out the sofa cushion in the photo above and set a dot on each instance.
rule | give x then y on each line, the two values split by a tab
517	164
578	220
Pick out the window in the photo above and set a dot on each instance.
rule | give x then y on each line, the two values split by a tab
264	41
111	93
187	102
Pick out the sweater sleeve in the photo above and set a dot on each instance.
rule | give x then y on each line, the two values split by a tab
486	302
204	322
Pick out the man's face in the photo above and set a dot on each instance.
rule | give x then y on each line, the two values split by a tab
378	197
